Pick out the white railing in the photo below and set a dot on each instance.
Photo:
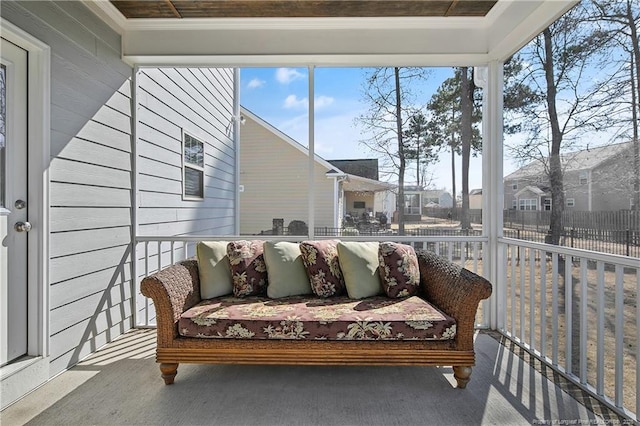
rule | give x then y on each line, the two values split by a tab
578	312
156	253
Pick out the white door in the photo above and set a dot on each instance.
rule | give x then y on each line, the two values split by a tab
14	223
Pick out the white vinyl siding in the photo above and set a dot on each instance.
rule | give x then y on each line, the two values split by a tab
173	102
275	177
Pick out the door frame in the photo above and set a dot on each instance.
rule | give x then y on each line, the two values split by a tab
21	377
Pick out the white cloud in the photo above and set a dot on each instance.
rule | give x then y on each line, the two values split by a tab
287	75
292	102
255	83
323	101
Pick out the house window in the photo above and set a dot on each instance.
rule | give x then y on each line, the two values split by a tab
358	205
571	202
528	204
514	204
547	204
584	178
193	167
514	186
412	204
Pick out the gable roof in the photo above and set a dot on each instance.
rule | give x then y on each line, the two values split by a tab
585	159
533	189
353	182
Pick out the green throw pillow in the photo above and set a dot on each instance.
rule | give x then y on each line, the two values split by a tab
214	269
359	264
285	269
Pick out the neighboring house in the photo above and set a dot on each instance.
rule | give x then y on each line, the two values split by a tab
363	192
595	179
413	203
475	199
439	197
103	165
274	170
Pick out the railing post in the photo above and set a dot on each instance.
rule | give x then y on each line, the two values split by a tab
628	238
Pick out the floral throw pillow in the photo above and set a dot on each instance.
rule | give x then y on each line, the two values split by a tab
248	270
399	269
320	260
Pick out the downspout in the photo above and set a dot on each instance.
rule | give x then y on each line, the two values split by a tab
236	145
590	193
336	202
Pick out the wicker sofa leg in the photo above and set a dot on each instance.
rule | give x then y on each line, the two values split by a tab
169	372
462	375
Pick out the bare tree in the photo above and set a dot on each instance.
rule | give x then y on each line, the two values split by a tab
570	103
420	146
455	114
621	20
390	99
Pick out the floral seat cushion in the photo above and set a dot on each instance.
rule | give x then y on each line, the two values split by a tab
314	318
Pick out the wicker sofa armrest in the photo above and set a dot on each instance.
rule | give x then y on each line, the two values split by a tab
455	290
173	290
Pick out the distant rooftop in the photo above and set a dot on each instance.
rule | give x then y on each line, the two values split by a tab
585	159
366	167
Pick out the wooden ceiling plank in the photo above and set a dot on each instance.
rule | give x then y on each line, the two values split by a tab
173	9
311	8
143	9
470	7
300	8
451	8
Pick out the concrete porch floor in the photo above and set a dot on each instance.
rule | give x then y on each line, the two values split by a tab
121	385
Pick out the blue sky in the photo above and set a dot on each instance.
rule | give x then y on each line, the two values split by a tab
279	96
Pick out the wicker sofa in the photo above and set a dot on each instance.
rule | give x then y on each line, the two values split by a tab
453	290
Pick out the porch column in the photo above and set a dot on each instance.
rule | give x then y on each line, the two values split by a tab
312	156
491	79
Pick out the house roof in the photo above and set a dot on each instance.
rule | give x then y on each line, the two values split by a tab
533	189
358	183
476	191
325	32
585	159
366	167
435	192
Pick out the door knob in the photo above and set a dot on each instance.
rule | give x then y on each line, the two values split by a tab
22	226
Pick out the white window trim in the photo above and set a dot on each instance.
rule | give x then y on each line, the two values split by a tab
528	202
583	176
186	165
571	202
